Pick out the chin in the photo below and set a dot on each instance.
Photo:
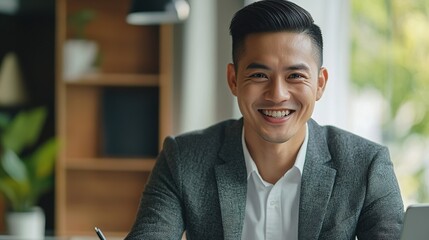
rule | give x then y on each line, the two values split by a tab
276	139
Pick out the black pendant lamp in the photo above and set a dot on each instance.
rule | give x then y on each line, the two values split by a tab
147	12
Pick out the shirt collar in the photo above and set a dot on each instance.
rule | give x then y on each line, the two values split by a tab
299	162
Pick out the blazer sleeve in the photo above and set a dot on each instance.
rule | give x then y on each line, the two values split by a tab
160	213
383	211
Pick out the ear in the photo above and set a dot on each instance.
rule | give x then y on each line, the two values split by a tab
322	80
232	78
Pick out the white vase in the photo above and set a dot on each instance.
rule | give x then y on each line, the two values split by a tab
26	225
79	58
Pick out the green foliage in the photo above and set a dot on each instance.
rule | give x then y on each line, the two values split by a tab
23	179
79	20
390	52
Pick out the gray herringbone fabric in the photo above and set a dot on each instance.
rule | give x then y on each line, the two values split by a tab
199	185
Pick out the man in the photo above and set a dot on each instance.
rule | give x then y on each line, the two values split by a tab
275	173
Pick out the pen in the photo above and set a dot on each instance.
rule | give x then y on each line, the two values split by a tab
99	233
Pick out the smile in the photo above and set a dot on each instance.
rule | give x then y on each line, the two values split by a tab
276	113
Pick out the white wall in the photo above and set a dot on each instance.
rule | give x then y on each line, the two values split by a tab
202	51
199	61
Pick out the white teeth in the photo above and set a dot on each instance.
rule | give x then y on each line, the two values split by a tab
276	114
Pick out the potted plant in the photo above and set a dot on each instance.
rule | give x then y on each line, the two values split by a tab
26	171
80	53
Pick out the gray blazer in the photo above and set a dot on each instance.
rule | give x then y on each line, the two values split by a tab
199	185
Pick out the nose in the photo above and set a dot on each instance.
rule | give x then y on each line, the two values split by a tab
277	91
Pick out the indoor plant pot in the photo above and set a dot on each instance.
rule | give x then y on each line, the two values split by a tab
33	221
26	170
80	53
79	58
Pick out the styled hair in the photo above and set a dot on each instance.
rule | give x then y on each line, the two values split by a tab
273	16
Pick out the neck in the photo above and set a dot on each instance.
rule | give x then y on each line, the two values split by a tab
273	160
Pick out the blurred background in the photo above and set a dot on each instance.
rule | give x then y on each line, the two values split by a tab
377	54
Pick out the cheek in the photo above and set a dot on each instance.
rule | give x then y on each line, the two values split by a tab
247	96
305	94
250	92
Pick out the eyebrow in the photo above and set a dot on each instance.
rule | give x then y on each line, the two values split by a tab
299	66
257	66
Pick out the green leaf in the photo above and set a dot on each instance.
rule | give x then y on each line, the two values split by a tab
13	166
4	120
24	130
42	186
79	20
42	160
16	193
22	181
8	190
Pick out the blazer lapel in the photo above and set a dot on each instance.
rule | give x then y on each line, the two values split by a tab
232	182
317	182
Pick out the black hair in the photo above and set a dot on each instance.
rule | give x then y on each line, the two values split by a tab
273	16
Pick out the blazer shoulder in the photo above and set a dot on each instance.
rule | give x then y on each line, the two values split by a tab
202	144
338	137
342	138
345	147
214	133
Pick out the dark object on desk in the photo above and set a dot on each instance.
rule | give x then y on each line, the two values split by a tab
415	223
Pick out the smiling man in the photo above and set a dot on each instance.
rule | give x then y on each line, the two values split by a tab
275	173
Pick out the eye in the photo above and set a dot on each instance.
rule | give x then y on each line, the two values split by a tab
258	76
297	76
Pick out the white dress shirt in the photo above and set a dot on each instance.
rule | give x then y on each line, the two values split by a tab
272	210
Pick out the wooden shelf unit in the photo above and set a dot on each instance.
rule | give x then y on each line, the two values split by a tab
94	188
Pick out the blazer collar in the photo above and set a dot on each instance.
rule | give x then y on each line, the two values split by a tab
317	182
232	182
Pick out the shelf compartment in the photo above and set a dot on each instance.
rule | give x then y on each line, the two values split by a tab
123	48
82	121
102	199
112	122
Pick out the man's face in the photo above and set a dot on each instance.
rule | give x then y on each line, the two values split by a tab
277	82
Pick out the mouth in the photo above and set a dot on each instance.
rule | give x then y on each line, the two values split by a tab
276	113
